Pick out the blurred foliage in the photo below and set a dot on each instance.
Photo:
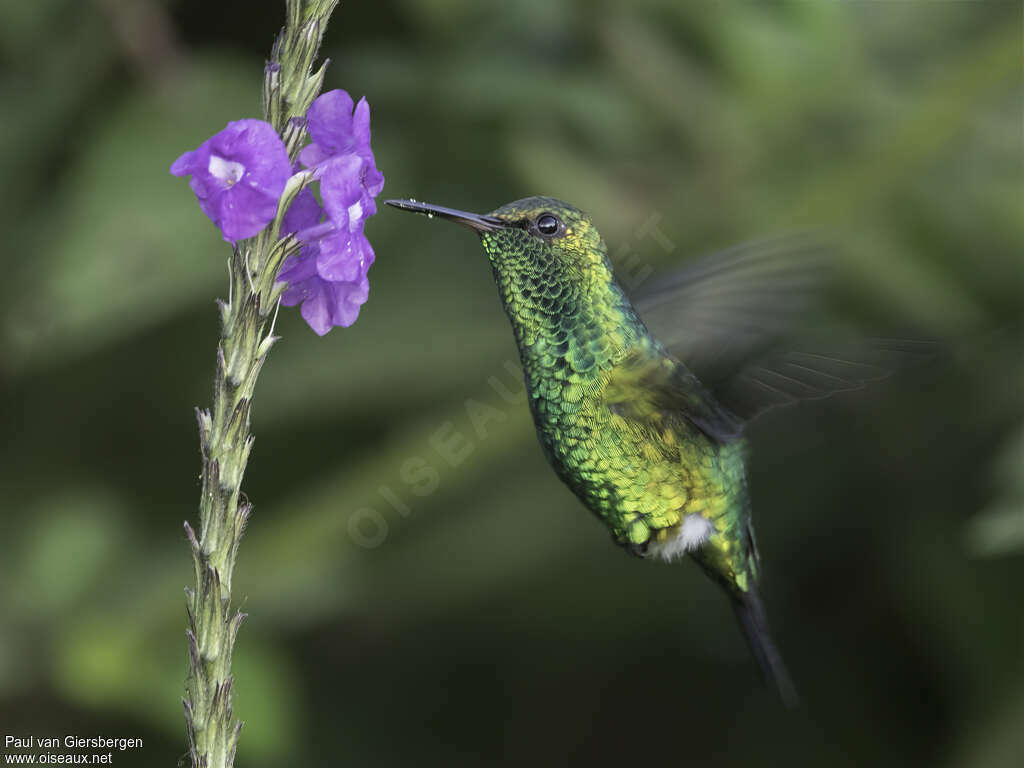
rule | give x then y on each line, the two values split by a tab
492	622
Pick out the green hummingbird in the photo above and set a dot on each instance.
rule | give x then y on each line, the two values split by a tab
625	423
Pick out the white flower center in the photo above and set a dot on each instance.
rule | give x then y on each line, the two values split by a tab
225	170
355	212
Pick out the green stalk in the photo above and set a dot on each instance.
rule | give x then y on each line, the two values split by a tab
290	85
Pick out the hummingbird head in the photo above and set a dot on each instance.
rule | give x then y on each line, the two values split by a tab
548	258
546	237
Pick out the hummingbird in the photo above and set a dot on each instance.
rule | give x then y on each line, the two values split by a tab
625	423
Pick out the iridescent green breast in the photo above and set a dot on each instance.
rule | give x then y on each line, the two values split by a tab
640	477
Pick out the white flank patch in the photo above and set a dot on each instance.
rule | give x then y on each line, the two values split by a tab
225	170
694	531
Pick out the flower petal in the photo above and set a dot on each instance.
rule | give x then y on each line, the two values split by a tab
341	187
240	212
238	174
303	213
185	164
346	299
361	127
316	308
298	268
373	180
313	155
340	258
329	120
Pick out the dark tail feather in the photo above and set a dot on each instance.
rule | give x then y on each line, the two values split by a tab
754	622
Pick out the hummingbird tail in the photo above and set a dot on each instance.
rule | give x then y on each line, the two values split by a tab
754	622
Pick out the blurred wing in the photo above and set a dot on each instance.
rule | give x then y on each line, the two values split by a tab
733	317
784	377
731	305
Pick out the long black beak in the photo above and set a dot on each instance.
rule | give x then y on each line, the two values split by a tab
471	220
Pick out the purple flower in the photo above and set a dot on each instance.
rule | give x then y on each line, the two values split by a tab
328	276
338	131
325	303
304	213
238	176
345	253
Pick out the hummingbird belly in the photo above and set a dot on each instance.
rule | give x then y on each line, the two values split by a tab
661	491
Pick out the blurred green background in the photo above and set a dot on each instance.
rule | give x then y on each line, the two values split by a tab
401	623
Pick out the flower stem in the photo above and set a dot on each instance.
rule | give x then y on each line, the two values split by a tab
290	86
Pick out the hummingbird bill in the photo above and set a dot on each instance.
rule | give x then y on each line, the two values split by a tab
656	452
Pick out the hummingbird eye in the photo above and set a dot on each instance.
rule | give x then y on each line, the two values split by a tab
548	224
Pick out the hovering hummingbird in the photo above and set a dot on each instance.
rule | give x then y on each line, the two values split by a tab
624	422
